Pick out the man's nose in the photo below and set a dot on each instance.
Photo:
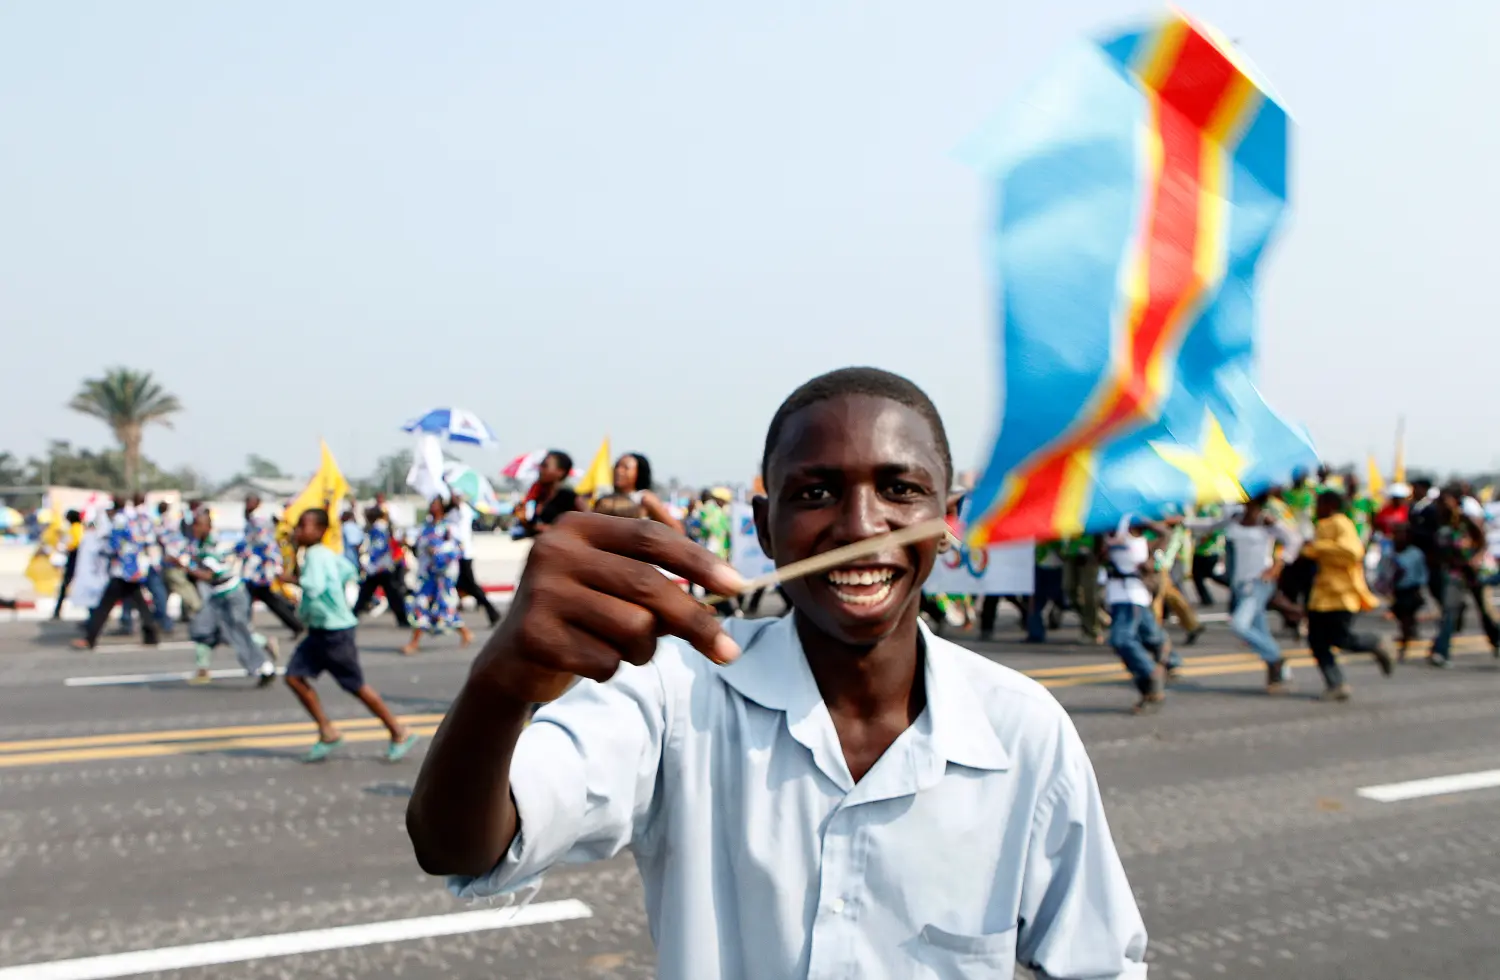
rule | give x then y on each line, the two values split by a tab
862	515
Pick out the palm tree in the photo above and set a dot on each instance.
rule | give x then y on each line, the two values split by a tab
127	401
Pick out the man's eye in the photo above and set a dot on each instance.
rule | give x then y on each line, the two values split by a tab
813	493
903	489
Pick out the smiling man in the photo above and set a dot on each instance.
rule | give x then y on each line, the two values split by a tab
836	793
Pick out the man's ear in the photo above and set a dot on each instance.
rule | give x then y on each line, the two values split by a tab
955	500
760	506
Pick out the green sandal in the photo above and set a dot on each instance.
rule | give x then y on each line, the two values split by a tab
396	751
322	750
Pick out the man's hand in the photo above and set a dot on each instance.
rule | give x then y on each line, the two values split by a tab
1272	574
591	598
287	578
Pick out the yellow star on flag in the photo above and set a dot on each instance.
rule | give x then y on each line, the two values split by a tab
1214	468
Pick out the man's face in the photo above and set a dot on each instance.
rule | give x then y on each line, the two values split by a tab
550	471
845	470
252	504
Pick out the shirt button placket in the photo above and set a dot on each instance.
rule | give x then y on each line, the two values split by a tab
831	956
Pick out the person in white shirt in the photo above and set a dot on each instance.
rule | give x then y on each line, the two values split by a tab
835	793
462	519
1134	632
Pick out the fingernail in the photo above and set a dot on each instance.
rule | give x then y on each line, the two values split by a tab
725	649
734	582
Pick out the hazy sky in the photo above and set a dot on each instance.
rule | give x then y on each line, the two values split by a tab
655	219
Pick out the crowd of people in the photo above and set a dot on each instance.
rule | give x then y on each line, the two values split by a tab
1317	553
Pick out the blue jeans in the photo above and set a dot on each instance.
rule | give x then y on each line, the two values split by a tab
1137	638
1248	621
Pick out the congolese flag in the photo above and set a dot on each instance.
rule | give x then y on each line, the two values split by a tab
1137	186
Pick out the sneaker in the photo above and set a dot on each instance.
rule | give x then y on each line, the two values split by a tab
200	678
267	675
1382	654
1337	693
1192	637
397	751
1439	660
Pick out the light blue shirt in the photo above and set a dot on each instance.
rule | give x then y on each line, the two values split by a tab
978	838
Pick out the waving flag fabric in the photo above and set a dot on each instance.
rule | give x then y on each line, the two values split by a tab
1137	185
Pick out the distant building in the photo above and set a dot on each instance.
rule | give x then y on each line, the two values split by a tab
274	490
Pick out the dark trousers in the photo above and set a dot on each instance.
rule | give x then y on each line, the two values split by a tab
69	570
469	586
389	582
1327	631
1048	591
1203	573
133	594
989	611
279	607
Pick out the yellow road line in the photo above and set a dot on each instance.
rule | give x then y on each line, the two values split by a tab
196	734
190	748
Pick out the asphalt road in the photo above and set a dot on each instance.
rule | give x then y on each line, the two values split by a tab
151	816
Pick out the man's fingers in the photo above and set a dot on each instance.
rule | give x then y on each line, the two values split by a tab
629	628
656	544
676	612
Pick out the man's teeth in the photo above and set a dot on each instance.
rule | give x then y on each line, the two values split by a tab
848	577
864	576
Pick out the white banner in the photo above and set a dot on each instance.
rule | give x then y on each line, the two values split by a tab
1008	569
1003	569
744	547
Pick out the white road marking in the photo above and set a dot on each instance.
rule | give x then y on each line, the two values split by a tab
115	680
293	943
1464	782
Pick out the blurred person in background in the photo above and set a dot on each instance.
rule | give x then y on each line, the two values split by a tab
385	568
461	516
633	478
262	564
434	606
176	558
72	538
1338	594
618	505
1460	549
354	535
128	567
550	497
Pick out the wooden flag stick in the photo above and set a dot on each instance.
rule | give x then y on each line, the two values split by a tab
935	528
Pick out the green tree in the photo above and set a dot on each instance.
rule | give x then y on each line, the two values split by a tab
260	467
127	401
389	476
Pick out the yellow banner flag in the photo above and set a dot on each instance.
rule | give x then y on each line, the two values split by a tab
326	489
600	474
1398	472
1374	482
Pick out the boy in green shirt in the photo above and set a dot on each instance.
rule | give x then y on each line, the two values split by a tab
329	644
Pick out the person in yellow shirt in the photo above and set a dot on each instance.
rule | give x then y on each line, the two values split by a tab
1338	593
72	537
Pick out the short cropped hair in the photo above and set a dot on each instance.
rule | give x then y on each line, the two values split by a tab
563	460
873	382
319	516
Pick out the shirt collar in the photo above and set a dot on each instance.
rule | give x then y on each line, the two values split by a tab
773	672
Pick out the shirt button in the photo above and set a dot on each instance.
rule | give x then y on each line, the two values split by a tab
836	906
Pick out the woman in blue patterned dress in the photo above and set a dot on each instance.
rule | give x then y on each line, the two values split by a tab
434	606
